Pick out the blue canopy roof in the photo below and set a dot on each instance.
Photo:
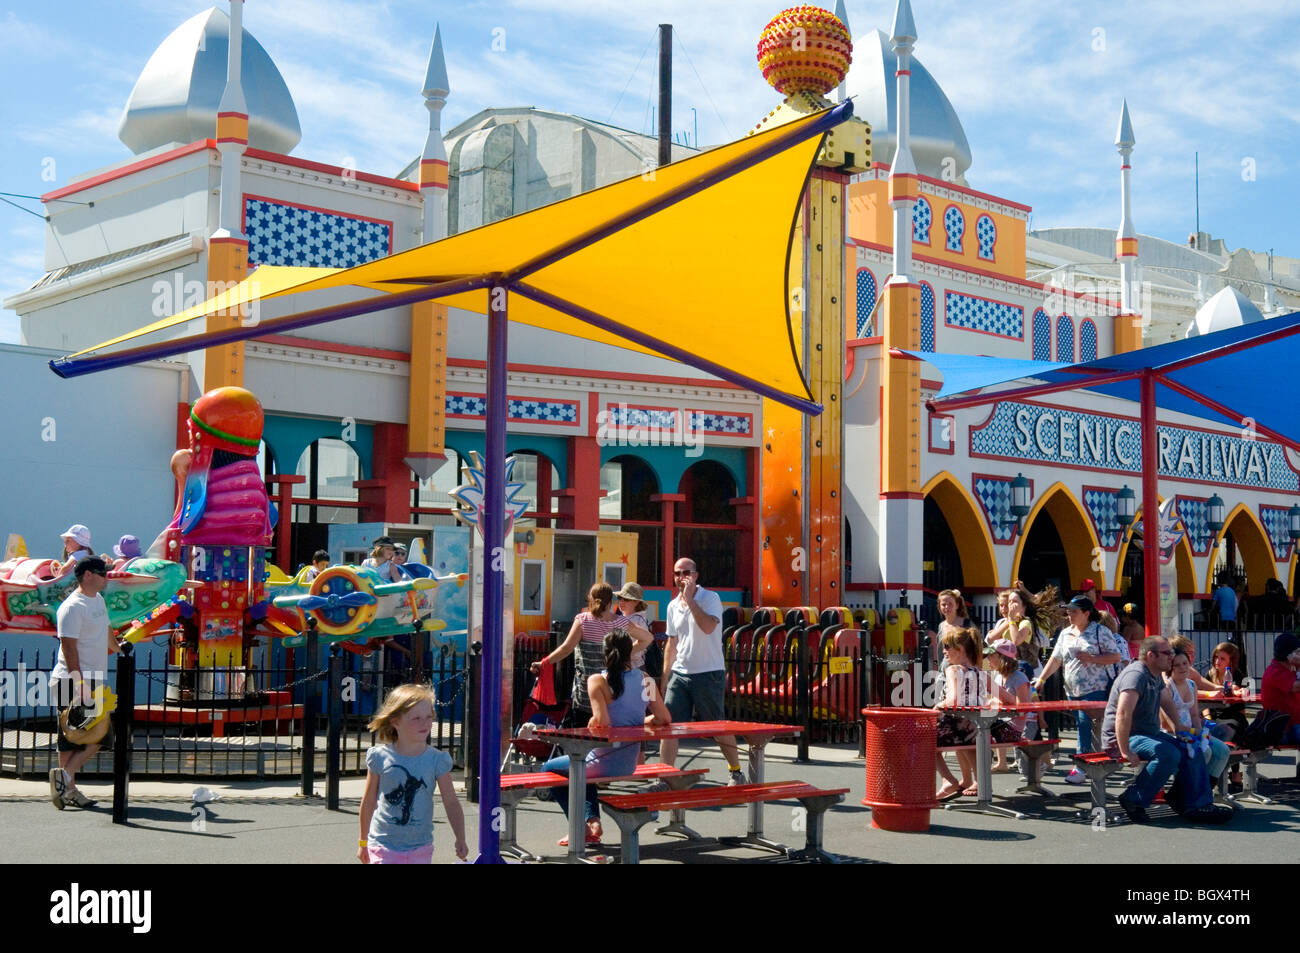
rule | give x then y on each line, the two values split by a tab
1224	376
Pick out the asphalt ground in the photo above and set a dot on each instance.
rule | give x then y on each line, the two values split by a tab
268	822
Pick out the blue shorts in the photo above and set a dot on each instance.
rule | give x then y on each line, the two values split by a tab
697	697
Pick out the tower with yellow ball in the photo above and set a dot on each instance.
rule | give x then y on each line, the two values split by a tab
804	53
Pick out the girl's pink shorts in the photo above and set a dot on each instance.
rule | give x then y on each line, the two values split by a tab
381	855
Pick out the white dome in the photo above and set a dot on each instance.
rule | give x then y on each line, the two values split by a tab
175	99
939	145
1227	309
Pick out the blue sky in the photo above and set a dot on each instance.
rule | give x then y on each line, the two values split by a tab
1036	84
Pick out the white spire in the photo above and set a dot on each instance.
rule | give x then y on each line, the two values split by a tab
435	77
904	25
1126	242
232	130
903	183
1124	137
843	16
433	161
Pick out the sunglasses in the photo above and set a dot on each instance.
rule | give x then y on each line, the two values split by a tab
684	572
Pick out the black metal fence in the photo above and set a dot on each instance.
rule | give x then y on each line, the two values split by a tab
261	721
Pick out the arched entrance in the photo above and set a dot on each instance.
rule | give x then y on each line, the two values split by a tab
957	549
1057	545
1242	549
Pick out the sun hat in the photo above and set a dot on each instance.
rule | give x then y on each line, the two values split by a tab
77	533
128	547
633	592
1004	647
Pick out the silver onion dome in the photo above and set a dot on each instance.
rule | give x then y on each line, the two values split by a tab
175	99
939	145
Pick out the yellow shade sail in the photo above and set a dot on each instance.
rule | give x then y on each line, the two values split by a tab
687	261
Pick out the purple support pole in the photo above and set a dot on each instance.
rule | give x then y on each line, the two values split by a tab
1150	507
494	532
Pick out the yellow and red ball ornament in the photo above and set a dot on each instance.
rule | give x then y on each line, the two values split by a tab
805	50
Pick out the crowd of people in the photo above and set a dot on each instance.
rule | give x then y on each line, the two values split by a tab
1153	718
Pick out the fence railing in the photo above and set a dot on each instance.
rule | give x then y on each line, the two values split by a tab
258	721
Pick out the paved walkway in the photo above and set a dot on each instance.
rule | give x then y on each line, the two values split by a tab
264	822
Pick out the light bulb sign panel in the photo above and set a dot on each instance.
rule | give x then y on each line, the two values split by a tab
1062	436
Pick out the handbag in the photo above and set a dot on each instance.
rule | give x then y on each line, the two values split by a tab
1266	730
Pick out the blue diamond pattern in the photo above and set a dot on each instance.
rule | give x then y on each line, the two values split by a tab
927	317
986	233
866	301
288	235
980	314
1103	507
1275	522
1195	514
1065	339
954	224
995	496
1042	336
921	219
1087	341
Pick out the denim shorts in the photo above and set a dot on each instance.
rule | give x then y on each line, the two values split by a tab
697	697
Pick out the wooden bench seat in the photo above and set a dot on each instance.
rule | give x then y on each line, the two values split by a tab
516	787
633	811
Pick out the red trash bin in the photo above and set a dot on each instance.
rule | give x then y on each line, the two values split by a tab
900	744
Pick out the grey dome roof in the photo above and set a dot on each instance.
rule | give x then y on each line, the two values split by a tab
175	99
936	131
1227	309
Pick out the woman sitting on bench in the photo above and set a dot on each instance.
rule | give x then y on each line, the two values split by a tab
618	699
964	685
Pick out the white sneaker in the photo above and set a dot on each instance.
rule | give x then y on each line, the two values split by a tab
737	779
77	799
1076	777
58	786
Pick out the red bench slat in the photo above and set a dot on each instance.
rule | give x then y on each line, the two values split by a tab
716	796
549	779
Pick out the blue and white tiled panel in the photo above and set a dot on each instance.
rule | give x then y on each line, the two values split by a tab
866	289
1276	522
707	422
994	494
981	314
1103	507
1087	341
927	317
281	234
986	234
954	226
1196	520
1042	336
521	409
922	217
1063	437
1065	339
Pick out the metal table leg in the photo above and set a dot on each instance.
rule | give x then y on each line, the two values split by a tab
984	771
754	837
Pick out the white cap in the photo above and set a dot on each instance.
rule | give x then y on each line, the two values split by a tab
79	533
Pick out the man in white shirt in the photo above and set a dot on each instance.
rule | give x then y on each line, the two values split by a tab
85	642
694	671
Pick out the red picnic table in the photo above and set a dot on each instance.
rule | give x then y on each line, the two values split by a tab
577	742
983	716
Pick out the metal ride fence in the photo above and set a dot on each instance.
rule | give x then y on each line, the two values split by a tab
819	679
252	722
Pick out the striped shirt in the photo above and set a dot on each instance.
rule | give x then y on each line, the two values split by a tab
591	652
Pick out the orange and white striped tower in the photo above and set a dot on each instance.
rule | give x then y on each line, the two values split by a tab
223	365
426	430
1128	323
901	502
